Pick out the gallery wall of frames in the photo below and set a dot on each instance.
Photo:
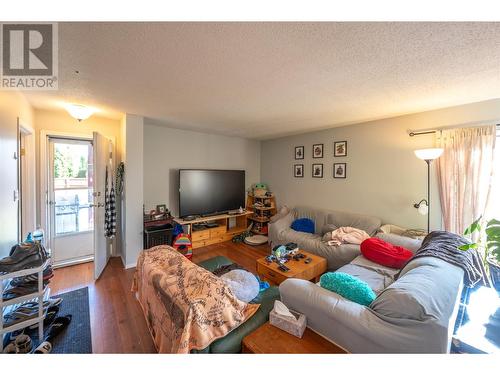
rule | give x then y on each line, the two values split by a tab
320	168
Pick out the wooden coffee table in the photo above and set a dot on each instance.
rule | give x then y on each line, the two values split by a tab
268	339
298	269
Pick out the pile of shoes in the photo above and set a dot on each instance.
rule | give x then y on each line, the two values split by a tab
22	256
21	342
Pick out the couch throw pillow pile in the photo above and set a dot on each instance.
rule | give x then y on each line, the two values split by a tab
303	225
348	286
385	253
243	284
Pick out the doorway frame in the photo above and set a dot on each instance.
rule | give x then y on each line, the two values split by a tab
26	179
44	172
44	181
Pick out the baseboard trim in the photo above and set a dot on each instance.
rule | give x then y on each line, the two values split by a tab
73	262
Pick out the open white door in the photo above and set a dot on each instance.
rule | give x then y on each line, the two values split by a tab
101	160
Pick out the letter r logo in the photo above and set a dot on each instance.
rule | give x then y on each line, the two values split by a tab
27	49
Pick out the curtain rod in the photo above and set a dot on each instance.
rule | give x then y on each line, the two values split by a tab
412	133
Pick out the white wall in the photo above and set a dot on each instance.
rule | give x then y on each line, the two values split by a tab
384	178
132	199
166	150
13	105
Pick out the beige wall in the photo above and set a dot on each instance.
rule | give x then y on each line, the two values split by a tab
167	150
62	122
133	190
59	121
13	105
384	178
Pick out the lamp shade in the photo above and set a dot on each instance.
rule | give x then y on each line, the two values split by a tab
428	153
80	112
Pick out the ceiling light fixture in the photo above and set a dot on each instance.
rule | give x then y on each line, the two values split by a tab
80	112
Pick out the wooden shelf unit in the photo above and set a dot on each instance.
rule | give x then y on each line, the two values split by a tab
262	215
221	233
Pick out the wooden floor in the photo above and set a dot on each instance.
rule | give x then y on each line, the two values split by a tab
116	318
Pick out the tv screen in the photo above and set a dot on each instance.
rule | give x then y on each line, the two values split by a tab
205	191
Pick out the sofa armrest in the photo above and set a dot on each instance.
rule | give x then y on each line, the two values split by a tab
355	327
275	228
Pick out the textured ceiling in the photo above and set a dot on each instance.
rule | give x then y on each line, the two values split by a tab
262	80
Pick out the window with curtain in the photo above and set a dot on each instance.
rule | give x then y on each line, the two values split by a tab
493	208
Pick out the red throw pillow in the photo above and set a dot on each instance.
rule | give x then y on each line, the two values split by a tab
385	253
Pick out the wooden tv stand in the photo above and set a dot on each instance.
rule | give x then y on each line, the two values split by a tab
221	233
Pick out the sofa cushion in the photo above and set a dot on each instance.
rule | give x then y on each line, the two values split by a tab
424	291
303	225
348	286
328	228
379	251
369	224
411	244
281	214
375	275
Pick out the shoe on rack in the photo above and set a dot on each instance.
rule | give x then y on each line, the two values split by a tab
23	256
33	278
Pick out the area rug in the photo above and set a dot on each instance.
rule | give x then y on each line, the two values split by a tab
77	338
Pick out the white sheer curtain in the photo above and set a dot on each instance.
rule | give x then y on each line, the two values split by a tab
465	174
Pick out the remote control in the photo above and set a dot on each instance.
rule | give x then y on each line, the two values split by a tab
283	268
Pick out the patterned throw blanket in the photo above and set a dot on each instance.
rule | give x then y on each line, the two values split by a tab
186	307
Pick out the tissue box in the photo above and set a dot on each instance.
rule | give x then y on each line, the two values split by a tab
287	324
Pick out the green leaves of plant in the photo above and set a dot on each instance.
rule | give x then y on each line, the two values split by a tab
468	246
475	226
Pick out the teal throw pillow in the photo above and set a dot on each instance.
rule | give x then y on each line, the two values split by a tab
348	286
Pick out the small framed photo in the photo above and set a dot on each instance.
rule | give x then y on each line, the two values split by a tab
340	148
299	152
161	209
317	170
298	170
318	151
339	170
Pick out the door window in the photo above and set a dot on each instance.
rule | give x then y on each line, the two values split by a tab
73	187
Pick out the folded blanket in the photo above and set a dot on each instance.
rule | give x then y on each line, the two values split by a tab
444	245
346	235
186	307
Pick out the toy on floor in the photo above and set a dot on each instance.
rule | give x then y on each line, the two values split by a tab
183	245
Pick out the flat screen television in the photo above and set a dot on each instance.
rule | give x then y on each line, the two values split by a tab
208	191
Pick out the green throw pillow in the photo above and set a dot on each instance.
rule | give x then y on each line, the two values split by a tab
348	286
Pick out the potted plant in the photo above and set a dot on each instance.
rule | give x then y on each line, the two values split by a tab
488	244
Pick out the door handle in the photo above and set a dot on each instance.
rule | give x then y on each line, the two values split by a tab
92	205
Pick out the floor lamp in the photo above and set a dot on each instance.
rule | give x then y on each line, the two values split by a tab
428	155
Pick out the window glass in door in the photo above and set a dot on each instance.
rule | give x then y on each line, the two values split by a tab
73	187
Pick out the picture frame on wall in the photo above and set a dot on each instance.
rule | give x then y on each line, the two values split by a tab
318	151
339	170
317	170
299	152
340	148
298	170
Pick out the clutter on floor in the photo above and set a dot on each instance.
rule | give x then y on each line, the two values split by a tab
25	300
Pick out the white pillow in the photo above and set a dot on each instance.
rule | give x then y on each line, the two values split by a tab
243	284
